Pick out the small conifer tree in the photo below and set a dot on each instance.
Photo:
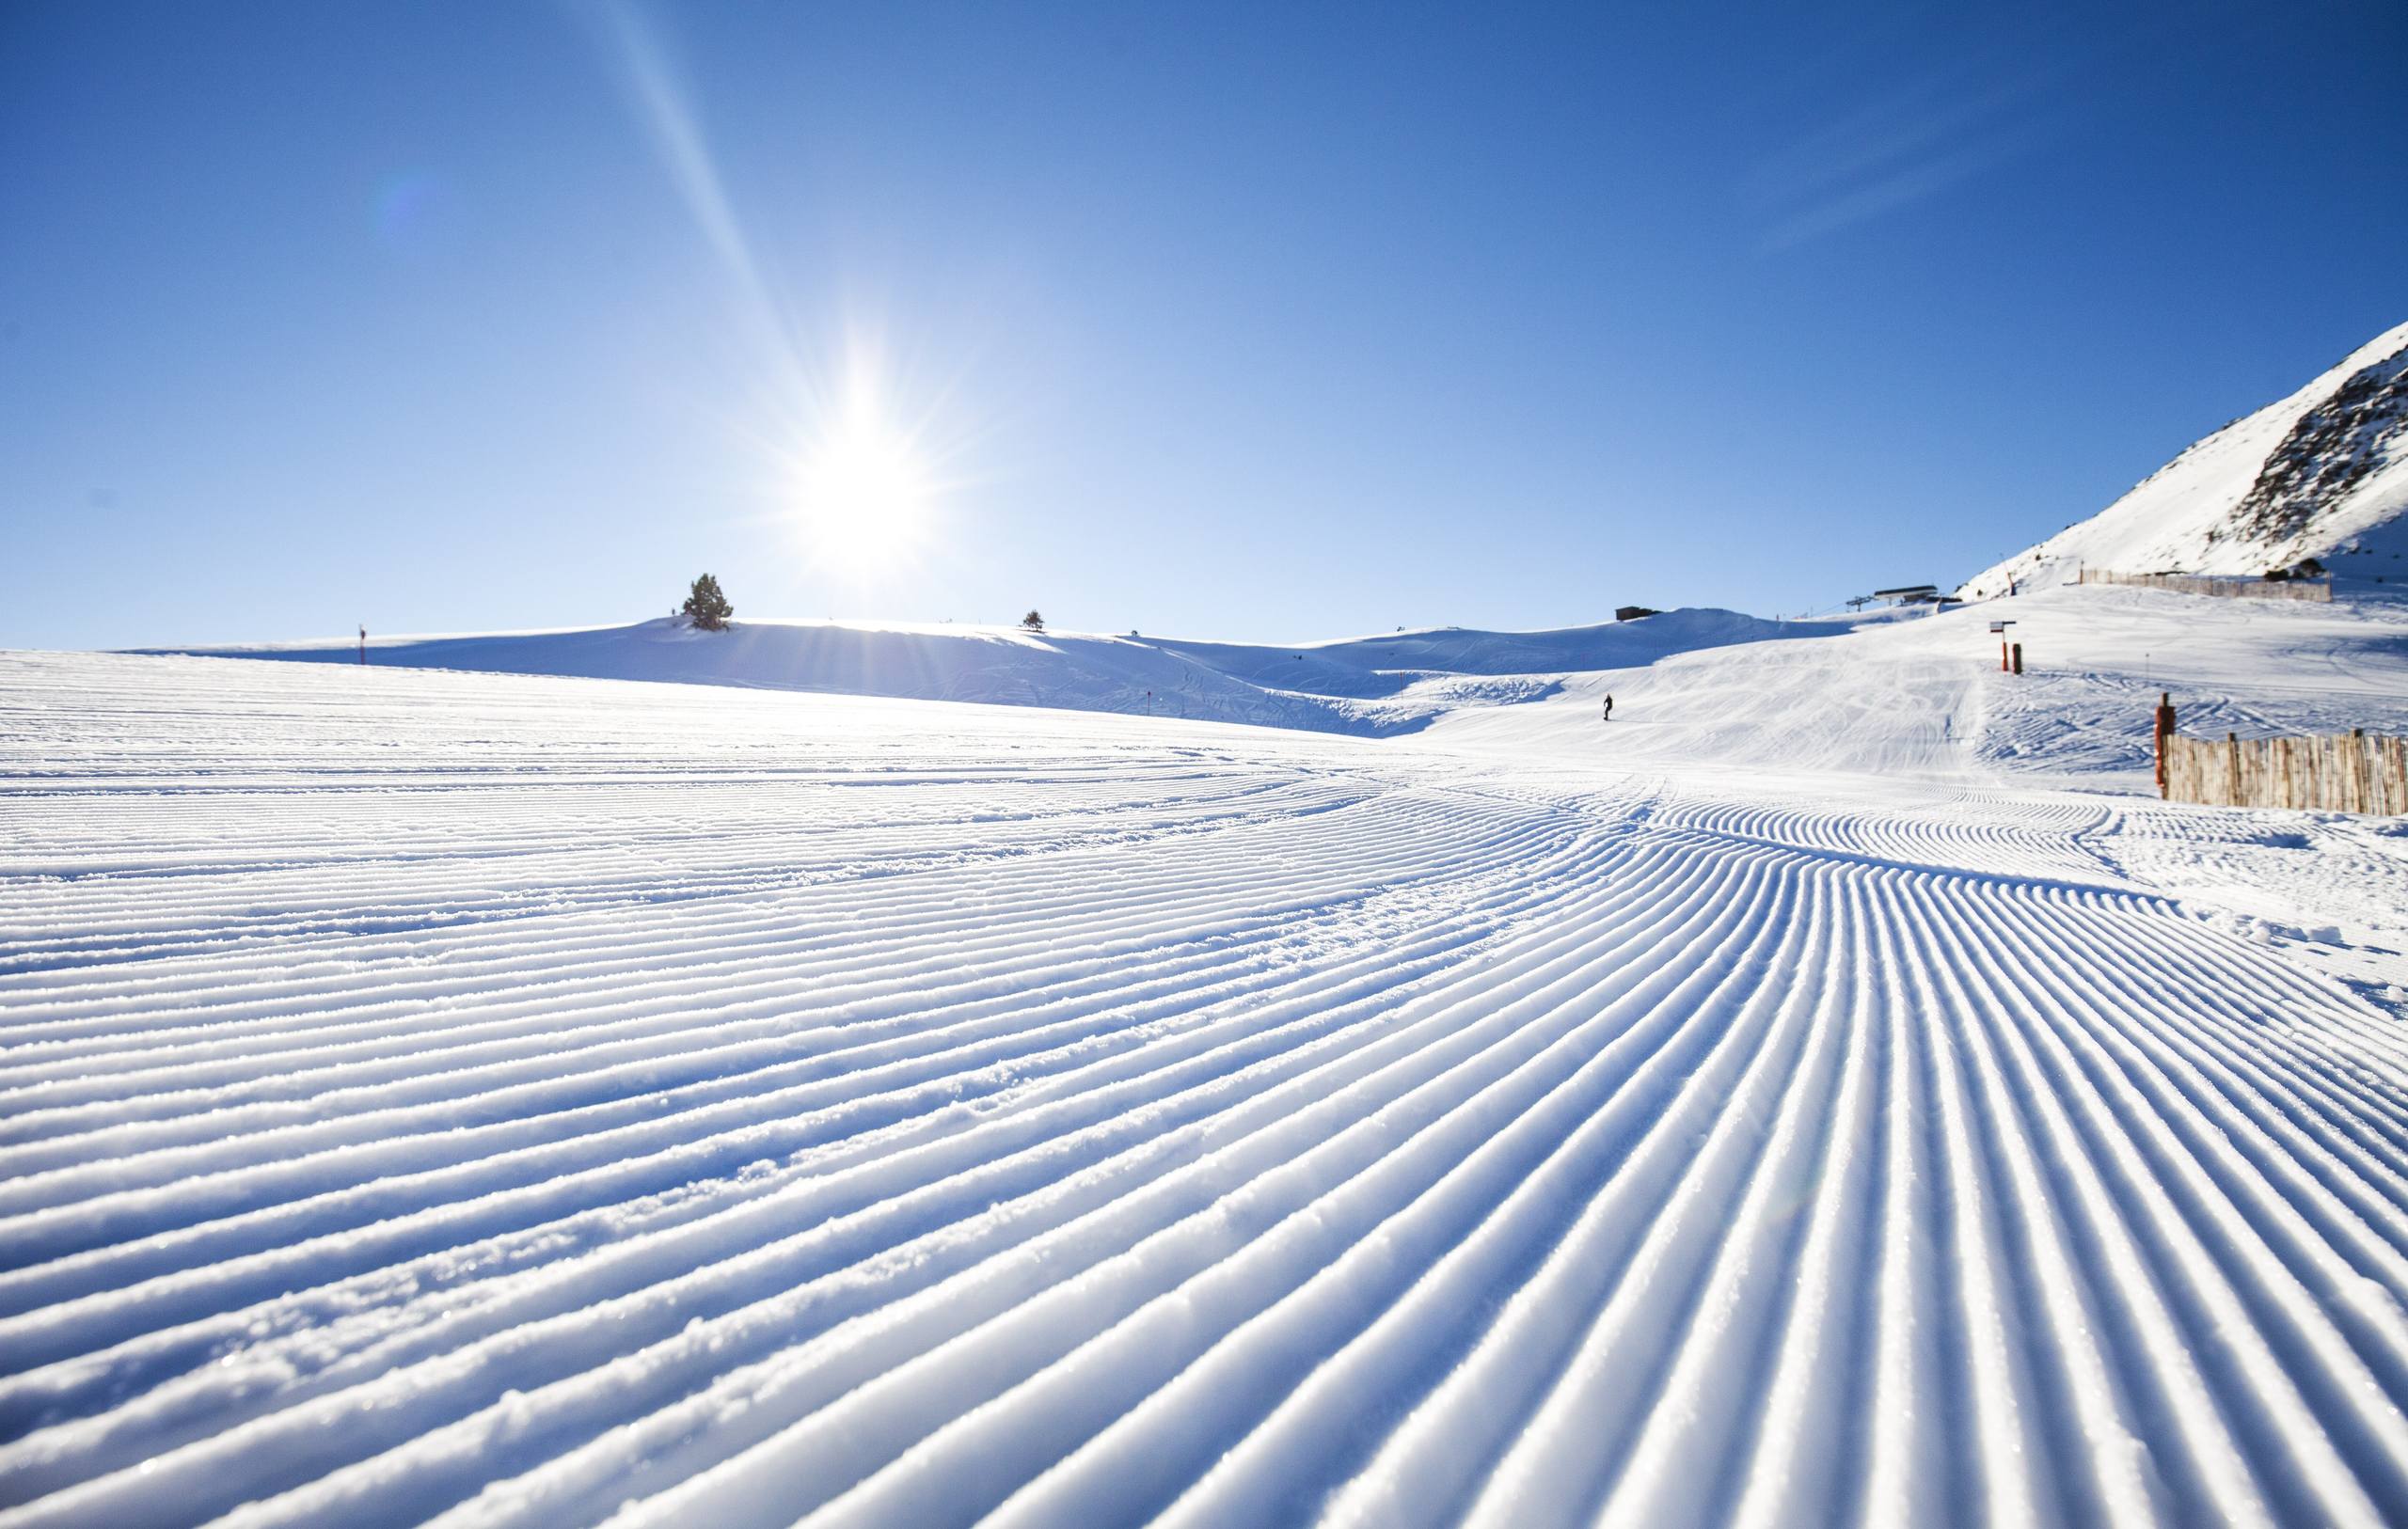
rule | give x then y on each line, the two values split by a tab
707	606
1033	621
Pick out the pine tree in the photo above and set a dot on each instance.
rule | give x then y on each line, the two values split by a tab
707	606
1033	621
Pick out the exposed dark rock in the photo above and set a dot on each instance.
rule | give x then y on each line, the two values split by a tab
2329	452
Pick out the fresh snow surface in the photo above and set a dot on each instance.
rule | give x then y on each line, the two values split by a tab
1828	1091
2322	473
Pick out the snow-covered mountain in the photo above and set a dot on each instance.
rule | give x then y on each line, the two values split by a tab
2321	474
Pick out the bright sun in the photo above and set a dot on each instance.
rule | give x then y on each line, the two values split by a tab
864	495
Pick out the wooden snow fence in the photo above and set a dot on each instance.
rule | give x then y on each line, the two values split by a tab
2348	772
2316	590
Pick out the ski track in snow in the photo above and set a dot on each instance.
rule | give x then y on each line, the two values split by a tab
508	1100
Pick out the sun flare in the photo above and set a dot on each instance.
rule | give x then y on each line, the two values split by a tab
864	495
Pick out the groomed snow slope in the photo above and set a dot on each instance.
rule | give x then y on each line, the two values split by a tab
503	1099
1918	689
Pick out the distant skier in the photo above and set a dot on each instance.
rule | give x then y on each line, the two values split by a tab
1609	710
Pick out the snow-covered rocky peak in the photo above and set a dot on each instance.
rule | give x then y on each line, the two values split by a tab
2321	474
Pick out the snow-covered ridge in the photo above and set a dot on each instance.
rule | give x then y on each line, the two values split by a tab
1370	686
2322	473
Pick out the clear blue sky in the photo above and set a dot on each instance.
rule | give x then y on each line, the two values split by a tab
1268	321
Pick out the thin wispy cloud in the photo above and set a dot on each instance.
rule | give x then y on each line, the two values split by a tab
1903	145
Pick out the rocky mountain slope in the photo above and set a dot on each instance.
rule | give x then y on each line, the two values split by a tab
2321	474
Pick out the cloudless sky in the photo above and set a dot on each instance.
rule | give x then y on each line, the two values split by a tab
1272	322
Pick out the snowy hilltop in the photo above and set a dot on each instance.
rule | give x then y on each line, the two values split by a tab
1885	691
1374	686
2321	474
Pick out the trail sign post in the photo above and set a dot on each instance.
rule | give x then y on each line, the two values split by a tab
2005	661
